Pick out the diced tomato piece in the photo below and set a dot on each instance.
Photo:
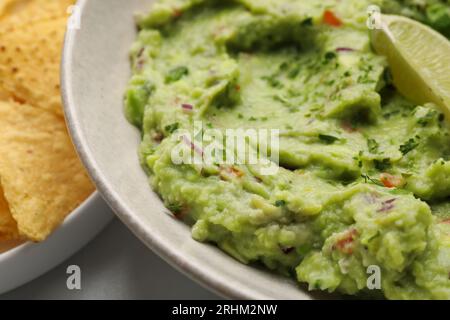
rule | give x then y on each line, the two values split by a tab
390	181
345	244
237	172
227	173
330	18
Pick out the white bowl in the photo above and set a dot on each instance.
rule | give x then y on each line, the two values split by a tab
30	260
95	70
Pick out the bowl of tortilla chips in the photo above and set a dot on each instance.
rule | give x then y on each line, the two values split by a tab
42	181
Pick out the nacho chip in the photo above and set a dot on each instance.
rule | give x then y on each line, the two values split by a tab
8	226
29	63
42	178
20	12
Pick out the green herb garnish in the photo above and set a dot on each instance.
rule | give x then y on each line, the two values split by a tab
176	74
284	66
409	146
376	235
273	82
308	22
330	55
427	119
175	208
317	285
382	165
373	145
368	179
328	139
280	203
294	72
171	128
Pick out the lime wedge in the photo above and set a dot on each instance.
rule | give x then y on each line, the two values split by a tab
419	58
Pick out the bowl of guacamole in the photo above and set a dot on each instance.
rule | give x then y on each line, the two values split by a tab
357	198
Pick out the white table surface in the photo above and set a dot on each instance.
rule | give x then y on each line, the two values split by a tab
115	265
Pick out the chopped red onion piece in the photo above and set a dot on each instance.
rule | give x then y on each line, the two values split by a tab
187	107
387	205
196	149
344	49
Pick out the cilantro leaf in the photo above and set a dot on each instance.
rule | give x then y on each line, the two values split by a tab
409	146
373	145
171	128
328	139
176	74
280	203
382	165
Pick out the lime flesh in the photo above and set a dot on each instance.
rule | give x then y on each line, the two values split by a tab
419	58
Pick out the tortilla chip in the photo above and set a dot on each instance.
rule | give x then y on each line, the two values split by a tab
20	12
42	177
29	63
8	226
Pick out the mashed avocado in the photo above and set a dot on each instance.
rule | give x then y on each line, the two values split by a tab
364	174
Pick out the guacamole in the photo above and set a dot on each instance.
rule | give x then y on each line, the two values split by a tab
363	176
